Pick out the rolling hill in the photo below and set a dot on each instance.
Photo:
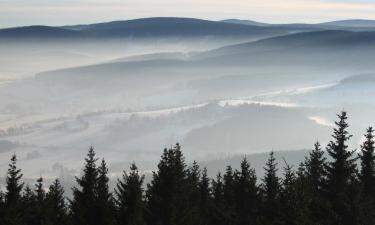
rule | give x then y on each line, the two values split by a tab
38	32
325	48
339	49
349	25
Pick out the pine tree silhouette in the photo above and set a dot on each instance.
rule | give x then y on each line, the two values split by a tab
13	183
315	170
340	173
104	201
56	208
303	199
205	201
271	193
229	198
288	196
129	198
83	208
246	194
367	172
168	192
193	177
218	212
315	178
14	187
367	179
40	202
29	209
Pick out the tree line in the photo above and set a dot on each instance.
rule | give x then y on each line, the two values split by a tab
338	191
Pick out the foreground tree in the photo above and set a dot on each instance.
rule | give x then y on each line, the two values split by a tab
271	193
205	201
56	209
29	207
367	179
288	197
168	193
129	198
13	183
83	205
315	178
103	198
367	172
315	171
246	194
14	187
230	216
218	211
303	198
40	195
340	174
193	178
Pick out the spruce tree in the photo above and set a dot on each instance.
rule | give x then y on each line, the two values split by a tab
229	198
56	208
129	198
218	212
246	194
315	178
218	190
168	192
40	193
303	198
14	187
29	208
288	197
367	172
205	202
103	199
340	173
315	170
83	207
13	183
193	177
367	179
271	193
40	202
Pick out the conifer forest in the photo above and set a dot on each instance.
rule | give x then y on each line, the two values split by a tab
334	185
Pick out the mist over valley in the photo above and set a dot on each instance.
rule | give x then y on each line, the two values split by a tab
222	89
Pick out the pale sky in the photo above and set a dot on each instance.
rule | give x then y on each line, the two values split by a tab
62	12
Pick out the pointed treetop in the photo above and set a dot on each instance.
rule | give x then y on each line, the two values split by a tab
13	182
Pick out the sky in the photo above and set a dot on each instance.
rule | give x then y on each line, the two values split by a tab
64	12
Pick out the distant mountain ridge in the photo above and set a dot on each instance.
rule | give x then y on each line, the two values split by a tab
37	31
335	25
245	22
351	23
147	27
177	27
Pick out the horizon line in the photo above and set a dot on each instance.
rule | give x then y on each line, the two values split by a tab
197	18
